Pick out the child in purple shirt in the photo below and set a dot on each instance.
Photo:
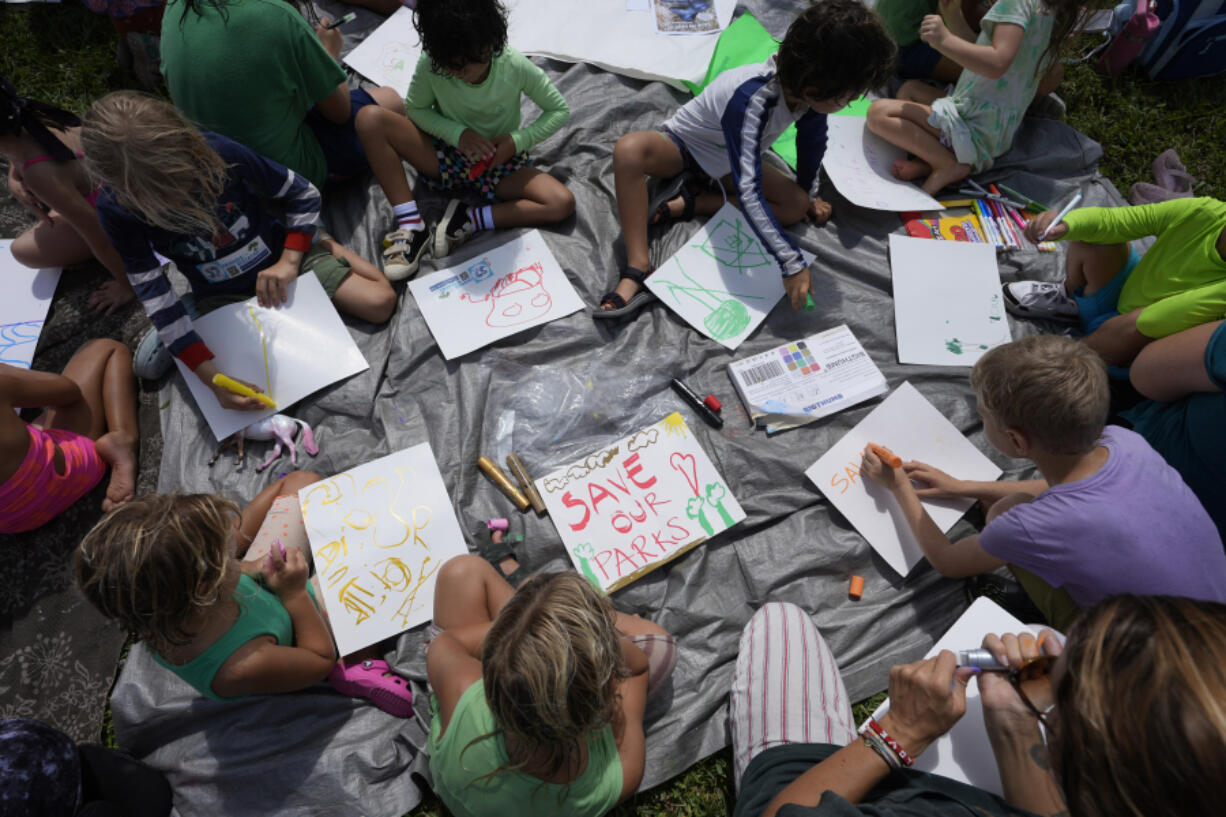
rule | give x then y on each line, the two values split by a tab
1108	517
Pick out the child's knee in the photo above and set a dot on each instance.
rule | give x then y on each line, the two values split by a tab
383	304
25	250
459	571
879	114
370	122
104	348
630	151
791	210
559	203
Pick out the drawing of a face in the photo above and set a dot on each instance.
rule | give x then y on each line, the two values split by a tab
518	298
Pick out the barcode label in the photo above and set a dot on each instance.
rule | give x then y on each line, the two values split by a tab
762	373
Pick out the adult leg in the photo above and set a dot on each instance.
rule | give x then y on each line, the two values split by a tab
1175	366
52	243
531	197
252	517
904	123
786	688
106	412
366	293
469	591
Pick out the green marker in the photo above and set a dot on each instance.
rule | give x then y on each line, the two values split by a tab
809	305
1031	204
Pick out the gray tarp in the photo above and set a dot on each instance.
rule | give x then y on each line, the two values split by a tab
557	392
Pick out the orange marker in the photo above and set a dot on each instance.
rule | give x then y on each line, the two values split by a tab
887	456
857	588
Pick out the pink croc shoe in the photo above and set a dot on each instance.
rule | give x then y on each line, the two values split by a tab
376	681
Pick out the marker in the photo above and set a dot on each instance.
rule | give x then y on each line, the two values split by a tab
1031	204
525	483
856	589
696	402
348	18
1060	216
500	479
981	659
713	403
241	389
999	199
886	455
479	168
809	305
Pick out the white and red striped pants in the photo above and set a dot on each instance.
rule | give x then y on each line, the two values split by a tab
787	688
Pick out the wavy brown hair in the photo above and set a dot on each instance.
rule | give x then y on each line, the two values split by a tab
153	562
1141	730
550	664
157	164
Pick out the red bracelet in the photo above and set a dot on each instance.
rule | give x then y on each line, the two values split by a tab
889	741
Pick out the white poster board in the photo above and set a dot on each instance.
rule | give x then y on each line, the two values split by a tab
379	534
513	287
23	309
307	348
643	501
911	427
858	161
964	753
722	281
607	34
948	307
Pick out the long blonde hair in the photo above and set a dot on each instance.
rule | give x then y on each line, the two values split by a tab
157	164
550	664
153	562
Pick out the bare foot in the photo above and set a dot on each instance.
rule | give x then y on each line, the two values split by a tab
118	448
942	176
625	288
909	170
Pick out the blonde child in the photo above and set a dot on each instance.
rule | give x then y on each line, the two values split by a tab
89	424
221	596
43	147
955	135
464	131
203	201
538	693
1108	516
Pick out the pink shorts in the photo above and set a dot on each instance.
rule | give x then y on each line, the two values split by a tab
36	494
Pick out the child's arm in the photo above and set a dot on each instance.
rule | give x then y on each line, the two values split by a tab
810	149
18	190
1112	225
953	559
451	667
420	106
942	486
336	107
628	726
991	61
1184	310
554	111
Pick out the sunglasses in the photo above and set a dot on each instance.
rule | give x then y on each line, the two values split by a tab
1032	680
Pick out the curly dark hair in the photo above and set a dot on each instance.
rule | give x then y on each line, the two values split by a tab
833	49
456	33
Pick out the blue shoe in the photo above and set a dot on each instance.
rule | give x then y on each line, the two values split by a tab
152	359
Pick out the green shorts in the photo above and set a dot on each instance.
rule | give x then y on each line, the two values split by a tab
330	271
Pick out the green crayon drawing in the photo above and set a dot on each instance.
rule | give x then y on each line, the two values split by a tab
732	246
994	311
696	509
955	346
715	497
584	552
727	317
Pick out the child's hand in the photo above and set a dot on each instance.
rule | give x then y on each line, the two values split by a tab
330	38
933	31
227	398
940	484
797	288
28	200
475	146
285	575
819	211
272	284
1036	226
504	149
110	296
892	479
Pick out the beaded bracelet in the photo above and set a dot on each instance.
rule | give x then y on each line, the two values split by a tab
890	742
873	742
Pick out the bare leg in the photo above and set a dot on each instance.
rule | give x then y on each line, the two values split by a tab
1051	80
1117	340
1091	267
469	591
1174	366
905	124
389	98
366	293
946	70
51	244
914	90
106	413
253	515
388	137
531	197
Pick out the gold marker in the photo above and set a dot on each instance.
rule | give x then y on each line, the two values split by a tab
500	479
525	483
241	389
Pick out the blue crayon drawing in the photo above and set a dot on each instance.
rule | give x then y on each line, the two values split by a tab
17	342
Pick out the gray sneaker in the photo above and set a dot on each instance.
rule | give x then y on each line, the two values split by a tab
403	251
453	230
152	358
1041	300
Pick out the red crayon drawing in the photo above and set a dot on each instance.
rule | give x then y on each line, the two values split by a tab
517	298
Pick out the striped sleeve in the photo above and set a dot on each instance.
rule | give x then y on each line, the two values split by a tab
276	181
744	123
810	150
171	320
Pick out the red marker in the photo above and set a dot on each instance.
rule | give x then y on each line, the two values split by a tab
479	168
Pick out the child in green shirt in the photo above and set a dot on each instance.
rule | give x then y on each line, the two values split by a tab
464	130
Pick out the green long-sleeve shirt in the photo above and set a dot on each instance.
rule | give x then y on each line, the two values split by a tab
443	105
1181	280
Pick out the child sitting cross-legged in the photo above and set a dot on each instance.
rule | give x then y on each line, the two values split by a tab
1108	515
832	53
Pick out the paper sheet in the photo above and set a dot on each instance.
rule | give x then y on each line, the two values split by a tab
513	287
964	753
643	501
722	282
948	307
379	534
858	162
27	298
308	348
603	35
911	427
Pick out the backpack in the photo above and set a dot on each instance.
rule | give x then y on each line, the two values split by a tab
1191	42
1128	42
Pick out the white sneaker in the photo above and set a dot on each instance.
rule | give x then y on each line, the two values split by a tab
453	230
1040	299
403	251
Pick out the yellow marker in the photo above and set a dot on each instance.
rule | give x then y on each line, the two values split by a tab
233	386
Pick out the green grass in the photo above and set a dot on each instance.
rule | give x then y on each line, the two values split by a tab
65	55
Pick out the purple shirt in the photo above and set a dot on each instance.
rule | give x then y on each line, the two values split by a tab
1132	527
